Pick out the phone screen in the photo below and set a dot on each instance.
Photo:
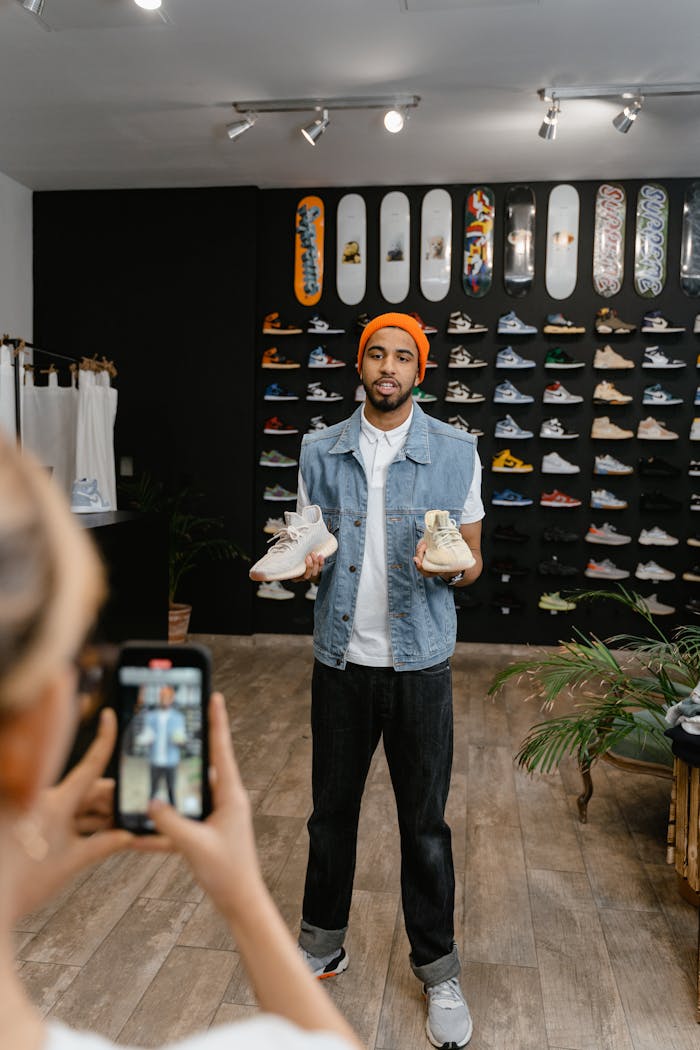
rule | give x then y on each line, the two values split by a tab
161	751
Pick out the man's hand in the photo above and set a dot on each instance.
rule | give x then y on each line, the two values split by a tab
314	564
418	562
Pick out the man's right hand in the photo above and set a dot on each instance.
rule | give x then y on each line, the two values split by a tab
314	564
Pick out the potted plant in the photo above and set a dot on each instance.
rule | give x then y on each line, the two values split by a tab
621	689
192	538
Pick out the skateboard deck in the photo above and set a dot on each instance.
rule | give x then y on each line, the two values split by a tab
435	245
394	247
561	266
651	240
519	250
479	215
609	239
308	251
690	241
351	266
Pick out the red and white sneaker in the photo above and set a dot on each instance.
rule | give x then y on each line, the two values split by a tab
558	499
429	329
318	358
274	425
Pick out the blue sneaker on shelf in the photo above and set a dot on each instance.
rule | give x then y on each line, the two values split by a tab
510	324
656	395
507	428
276	392
509	498
508	358
507	394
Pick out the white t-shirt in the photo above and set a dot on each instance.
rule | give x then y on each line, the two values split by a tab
370	640
266	1032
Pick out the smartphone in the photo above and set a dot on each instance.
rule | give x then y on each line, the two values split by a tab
161	696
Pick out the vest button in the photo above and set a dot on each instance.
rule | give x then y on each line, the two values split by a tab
353	568
358	522
345	617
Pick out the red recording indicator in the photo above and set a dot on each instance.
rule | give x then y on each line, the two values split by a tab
160	665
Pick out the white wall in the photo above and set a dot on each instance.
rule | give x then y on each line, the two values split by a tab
16	295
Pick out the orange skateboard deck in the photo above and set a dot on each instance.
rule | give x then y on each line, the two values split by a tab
308	251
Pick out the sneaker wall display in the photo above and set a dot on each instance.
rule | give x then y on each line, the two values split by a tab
592	403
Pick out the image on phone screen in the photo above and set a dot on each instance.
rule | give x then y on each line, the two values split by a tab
160	753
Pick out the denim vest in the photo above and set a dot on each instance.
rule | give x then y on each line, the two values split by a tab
432	471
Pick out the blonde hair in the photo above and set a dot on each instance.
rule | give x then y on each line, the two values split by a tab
51	579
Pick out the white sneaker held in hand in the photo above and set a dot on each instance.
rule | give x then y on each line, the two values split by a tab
303	534
446	550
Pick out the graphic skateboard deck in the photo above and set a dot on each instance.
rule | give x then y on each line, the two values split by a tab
609	239
690	241
519	252
561	266
394	247
479	216
308	251
651	240
351	266
435	245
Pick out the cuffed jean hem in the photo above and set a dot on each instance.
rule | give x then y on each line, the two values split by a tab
322	942
440	970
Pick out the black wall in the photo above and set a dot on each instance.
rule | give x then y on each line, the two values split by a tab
174	284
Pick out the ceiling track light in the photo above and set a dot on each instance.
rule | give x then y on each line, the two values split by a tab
149	5
395	119
35	7
633	94
312	132
625	120
239	127
548	127
396	107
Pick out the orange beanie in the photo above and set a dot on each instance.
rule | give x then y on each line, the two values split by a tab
408	324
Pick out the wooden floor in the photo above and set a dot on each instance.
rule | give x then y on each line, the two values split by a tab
572	937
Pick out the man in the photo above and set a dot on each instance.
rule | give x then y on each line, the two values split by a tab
384	631
164	733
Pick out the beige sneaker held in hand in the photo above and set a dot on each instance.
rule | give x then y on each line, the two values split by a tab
446	550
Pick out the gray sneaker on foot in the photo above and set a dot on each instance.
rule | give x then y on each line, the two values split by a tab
449	1023
325	965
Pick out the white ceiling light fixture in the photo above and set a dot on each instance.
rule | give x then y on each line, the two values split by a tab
396	108
548	127
149	5
312	132
239	127
35	7
625	120
395	120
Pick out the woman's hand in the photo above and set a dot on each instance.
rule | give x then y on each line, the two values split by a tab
81	805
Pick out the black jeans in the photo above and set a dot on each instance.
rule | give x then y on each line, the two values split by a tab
166	773
350	710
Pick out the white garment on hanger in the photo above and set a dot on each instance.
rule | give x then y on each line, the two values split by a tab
97	410
7	392
49	421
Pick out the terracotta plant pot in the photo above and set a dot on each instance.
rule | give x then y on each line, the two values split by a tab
178	622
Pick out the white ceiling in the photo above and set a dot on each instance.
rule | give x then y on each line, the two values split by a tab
131	101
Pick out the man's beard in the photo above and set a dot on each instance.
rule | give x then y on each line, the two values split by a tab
390	403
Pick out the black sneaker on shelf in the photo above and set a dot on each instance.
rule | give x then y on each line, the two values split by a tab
555	534
507	567
693	606
509	534
658	502
464	601
553	567
654	467
362	320
694	468
507	602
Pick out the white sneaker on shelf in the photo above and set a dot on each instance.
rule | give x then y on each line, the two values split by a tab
656	537
86	497
274	590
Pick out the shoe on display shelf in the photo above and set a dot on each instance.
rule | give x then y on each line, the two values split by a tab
553	428
695	429
553	463
431	363
654	321
278	493
424	398
274	425
607	359
509	534
555	534
510	324
606	393
318	358
553	567
362	320
695	502
464	601
607	535
601	499
273	359
554	602
656	608
694	541
507	603
692	575
460	357
505	463
460	323
694	468
326	965
604	570
427	329
459	392
273	458
656	395
274	590
696	399
277	392
559	500
603	430
445	549
607	464
317	392
507	394
558	358
656	537
693	606
317	423
303	534
508	358
655	357
659	501
652	571
461	424
696	324
506	567
311	592
273	525
608	323
360	393
507	428
274	325
651	429
509	498
86	497
556	394
319	325
557	324
654	467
